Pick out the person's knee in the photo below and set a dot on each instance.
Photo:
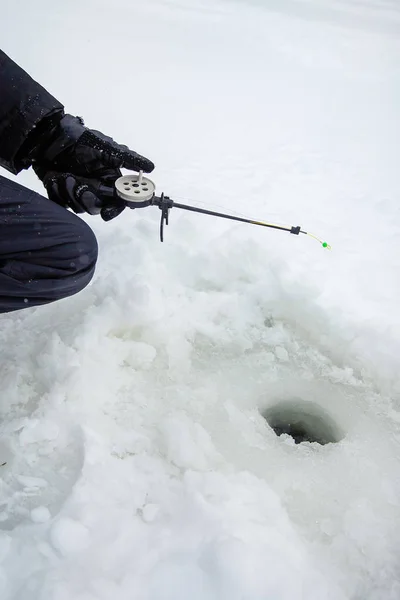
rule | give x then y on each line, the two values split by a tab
86	247
83	263
71	260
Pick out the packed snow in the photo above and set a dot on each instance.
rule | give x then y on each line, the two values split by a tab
136	460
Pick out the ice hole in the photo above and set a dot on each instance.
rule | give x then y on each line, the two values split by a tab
304	421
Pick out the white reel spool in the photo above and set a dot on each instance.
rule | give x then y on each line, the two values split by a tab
135	189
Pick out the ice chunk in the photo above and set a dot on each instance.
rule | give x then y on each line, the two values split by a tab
69	536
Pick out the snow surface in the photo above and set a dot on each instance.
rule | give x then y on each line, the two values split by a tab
138	465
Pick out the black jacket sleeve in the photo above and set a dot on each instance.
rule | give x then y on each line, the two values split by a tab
23	105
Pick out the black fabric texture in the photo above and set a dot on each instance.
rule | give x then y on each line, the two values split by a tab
23	106
46	252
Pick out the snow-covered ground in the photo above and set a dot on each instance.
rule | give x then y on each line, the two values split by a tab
138	463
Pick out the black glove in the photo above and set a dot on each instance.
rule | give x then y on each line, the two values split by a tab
83	194
79	166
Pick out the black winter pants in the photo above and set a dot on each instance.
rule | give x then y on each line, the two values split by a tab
46	252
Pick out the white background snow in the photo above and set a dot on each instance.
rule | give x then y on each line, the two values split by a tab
138	466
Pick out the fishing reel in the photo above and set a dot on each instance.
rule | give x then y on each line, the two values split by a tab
138	191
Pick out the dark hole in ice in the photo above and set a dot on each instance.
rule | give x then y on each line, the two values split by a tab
304	421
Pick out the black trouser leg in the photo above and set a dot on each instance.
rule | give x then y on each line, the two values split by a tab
46	252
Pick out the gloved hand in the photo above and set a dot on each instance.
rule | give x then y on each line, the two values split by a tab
78	167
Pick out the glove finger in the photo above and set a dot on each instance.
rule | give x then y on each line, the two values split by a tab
89	201
127	159
55	190
116	155
108	204
70	185
112	204
106	190
110	212
141	163
80	196
52	189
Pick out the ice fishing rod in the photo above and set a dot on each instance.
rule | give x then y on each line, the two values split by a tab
138	192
